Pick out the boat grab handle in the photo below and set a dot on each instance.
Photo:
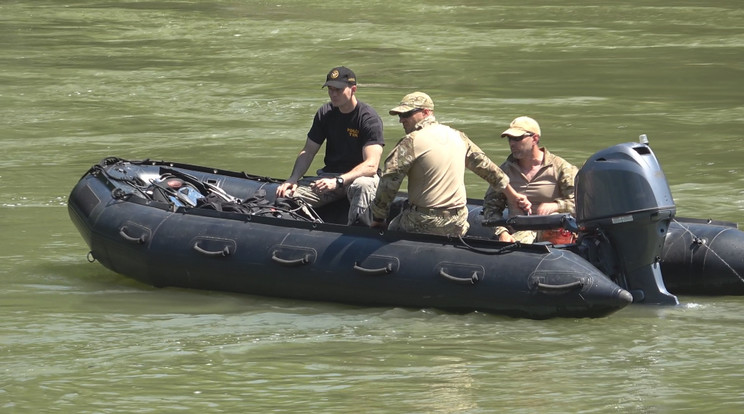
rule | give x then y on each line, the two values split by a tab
473	279
224	252
556	288
379	271
139	240
291	262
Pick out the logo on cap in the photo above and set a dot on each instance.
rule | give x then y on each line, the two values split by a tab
340	77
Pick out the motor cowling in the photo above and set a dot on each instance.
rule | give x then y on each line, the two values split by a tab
624	200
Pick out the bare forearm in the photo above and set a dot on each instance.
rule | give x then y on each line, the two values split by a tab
365	169
368	167
301	166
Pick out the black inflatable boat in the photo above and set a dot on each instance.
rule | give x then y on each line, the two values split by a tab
170	224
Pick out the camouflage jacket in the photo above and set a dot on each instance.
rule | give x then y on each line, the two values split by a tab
402	157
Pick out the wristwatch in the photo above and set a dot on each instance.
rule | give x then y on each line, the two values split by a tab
339	181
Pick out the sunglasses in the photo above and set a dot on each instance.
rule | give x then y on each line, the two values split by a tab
520	138
409	113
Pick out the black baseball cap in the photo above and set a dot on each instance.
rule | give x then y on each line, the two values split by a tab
340	77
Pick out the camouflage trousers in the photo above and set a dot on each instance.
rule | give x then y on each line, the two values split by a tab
525	236
360	194
432	221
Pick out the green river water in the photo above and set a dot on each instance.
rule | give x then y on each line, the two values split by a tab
234	84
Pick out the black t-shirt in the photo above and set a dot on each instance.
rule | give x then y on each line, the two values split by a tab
346	135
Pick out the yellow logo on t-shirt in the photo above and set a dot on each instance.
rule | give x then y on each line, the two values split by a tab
352	132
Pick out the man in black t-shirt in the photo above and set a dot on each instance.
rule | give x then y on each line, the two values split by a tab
352	131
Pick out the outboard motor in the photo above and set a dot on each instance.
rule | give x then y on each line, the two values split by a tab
624	207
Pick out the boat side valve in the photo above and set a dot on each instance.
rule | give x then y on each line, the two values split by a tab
118	194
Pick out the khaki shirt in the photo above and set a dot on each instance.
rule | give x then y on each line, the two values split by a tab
553	183
434	158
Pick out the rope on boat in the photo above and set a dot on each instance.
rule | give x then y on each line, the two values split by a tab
702	242
502	250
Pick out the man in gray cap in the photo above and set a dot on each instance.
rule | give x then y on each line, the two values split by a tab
434	157
352	131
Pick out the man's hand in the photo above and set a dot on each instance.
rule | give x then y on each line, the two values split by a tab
323	184
524	203
378	224
520	200
286	189
505	236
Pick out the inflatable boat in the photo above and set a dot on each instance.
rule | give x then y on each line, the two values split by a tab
171	224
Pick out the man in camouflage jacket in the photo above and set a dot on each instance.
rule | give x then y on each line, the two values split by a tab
433	157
